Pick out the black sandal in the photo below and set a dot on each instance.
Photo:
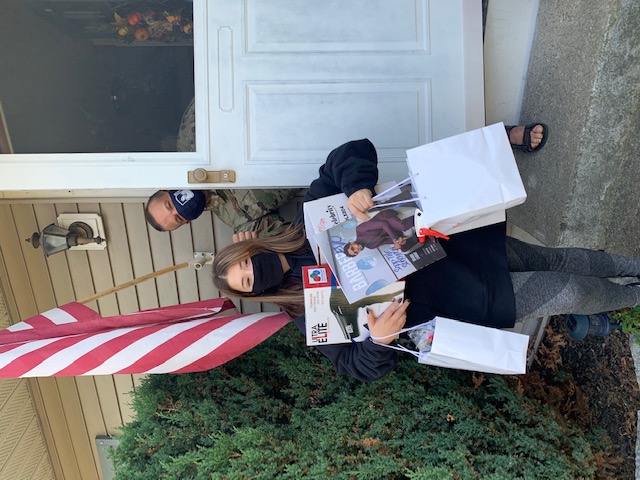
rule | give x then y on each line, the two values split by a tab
525	146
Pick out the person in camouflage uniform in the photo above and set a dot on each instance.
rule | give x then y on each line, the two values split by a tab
251	210
243	210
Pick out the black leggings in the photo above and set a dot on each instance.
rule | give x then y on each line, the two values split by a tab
554	281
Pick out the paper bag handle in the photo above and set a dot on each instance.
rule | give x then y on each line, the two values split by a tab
398	347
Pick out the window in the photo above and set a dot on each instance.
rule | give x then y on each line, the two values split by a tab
98	76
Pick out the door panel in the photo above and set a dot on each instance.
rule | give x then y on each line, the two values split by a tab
277	113
357	28
308	77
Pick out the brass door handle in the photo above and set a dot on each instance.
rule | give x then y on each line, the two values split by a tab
200	175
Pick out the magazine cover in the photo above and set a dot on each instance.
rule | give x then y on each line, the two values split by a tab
370	255
330	318
366	256
324	213
319	216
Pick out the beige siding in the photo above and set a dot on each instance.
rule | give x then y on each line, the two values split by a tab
74	410
23	454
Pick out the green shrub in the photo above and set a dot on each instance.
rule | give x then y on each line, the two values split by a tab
279	411
629	320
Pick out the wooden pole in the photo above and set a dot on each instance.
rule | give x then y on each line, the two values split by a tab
135	281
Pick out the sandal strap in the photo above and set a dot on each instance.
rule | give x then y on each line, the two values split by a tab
526	139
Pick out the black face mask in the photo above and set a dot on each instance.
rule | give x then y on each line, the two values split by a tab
267	271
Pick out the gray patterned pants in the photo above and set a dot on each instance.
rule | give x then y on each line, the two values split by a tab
555	281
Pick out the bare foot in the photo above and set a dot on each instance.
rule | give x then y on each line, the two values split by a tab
516	135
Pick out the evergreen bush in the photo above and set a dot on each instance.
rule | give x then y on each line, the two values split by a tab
280	411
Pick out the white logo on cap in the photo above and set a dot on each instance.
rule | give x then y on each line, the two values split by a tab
183	196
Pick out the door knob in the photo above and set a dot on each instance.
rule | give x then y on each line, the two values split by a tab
200	175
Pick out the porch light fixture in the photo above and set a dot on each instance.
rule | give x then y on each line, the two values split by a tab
56	239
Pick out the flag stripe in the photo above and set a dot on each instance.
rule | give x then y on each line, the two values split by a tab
75	340
90	345
209	342
92	322
71	311
153	347
98	356
17	327
237	345
46	361
58	316
173	346
22	358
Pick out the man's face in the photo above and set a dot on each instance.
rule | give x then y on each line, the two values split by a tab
164	213
354	249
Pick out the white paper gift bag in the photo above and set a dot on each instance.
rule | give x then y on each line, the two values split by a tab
466	181
443	342
473	347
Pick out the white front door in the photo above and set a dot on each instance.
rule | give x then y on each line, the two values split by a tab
280	83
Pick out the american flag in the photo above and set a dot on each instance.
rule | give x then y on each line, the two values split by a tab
74	340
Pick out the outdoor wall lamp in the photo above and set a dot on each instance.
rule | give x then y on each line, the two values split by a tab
56	239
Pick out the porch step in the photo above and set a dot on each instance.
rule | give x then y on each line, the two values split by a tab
582	81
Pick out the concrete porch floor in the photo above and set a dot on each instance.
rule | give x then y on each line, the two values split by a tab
577	70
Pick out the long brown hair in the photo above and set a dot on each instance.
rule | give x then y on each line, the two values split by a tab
288	296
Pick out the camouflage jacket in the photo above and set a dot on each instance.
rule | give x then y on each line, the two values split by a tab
247	210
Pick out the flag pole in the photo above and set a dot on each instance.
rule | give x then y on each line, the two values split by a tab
135	281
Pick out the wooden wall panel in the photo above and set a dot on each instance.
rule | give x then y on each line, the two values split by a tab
91	413
28	456
101	271
43	470
182	247
14	420
81	287
142	264
162	257
141	261
30	453
14	264
53	410
119	256
23	453
122	271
